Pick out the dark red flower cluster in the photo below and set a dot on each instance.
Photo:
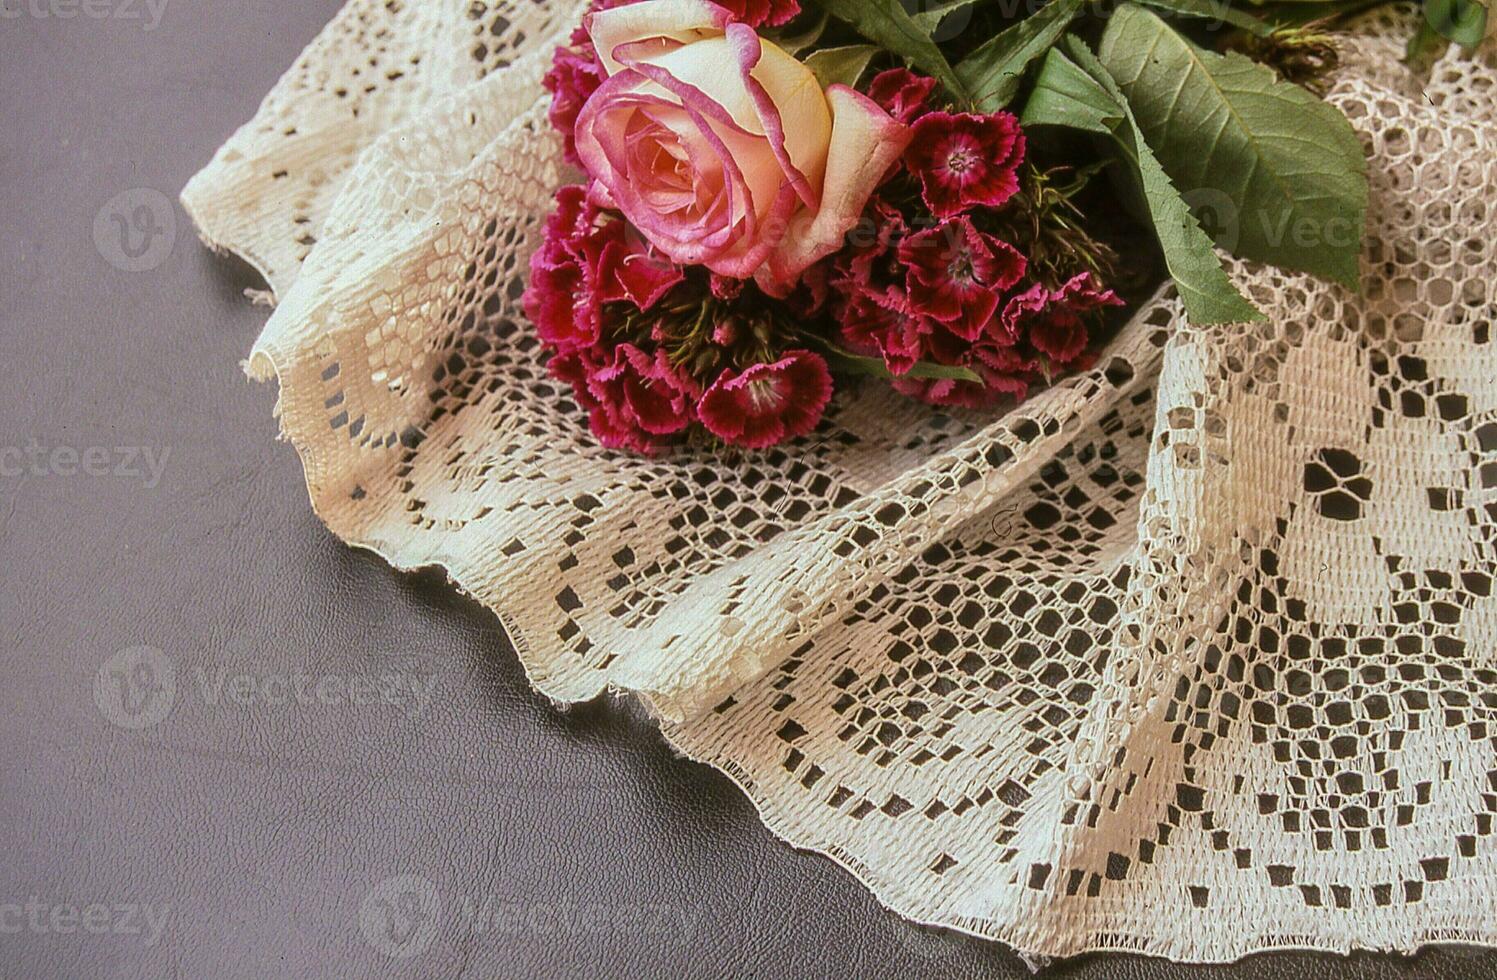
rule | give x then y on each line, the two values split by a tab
603	301
576	73
931	283
926	282
761	13
588	260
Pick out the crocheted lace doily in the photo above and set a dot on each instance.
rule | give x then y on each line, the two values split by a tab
1191	654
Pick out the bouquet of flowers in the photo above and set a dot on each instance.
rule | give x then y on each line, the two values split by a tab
776	197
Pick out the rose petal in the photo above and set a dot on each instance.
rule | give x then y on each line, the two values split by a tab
786	97
671	22
865	142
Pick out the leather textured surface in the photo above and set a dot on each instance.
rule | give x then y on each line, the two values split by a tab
233	747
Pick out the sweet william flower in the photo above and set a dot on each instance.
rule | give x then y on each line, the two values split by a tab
634	400
589	258
723	150
883	325
874	311
624	268
575	75
956	274
962	160
1005	373
902	93
565	314
564	317
1052	320
768	403
955	393
762	13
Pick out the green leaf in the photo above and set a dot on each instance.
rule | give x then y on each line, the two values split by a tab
1425	45
994	71
1287	13
841	66
885	23
936	11
1081	95
1217	12
846	362
795	37
1462	21
1283	170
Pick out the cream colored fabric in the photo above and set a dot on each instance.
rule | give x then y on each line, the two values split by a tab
1191	654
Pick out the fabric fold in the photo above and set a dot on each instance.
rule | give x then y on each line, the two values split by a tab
1199	637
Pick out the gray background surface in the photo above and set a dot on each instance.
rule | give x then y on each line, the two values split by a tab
253	817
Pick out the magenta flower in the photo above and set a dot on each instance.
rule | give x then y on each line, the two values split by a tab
589	258
957	272
883	325
1004	373
576	73
964	160
1052	320
762	13
768	403
634	401
902	93
565	313
724	288
870	263
557	304
646	392
622	267
810	296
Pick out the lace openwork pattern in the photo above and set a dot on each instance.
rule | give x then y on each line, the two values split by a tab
1192	654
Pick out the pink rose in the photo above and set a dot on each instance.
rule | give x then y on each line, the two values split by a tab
721	148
